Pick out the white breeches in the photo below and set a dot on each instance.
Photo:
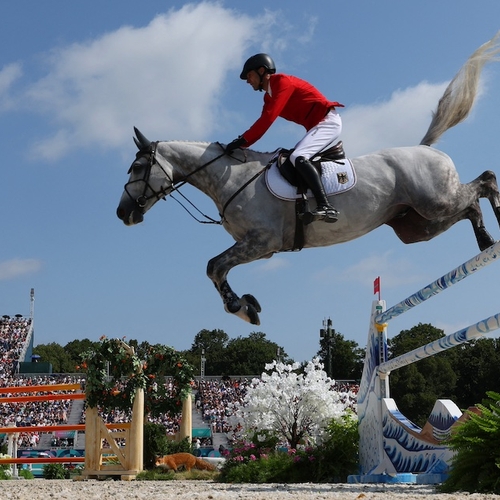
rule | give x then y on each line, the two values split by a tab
320	137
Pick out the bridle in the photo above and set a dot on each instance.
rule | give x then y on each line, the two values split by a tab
146	158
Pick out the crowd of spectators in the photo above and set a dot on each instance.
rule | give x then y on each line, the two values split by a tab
214	398
29	414
13	334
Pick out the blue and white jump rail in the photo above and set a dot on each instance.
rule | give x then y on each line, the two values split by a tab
392	448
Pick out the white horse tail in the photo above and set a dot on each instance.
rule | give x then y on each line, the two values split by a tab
458	98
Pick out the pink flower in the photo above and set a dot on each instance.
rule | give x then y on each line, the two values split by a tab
239	458
292	451
312	458
253	457
297	458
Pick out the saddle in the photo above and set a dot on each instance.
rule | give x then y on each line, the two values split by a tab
289	172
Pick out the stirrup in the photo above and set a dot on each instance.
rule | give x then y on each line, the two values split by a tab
326	213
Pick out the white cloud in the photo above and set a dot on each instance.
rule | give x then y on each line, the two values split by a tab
273	263
400	121
396	272
168	74
14	268
8	76
169	78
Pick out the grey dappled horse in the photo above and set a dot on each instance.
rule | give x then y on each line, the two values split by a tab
415	190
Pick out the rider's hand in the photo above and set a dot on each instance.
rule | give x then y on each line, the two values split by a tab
237	143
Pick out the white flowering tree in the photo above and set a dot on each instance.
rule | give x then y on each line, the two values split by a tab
290	405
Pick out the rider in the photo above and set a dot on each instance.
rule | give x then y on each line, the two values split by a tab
298	101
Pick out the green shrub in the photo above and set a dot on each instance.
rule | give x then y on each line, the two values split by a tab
476	464
155	443
55	471
340	454
260	468
183	446
26	474
333	461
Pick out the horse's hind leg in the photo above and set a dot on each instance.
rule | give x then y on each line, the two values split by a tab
414	226
487	187
490	191
474	214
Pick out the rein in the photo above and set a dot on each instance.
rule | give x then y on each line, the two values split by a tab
161	194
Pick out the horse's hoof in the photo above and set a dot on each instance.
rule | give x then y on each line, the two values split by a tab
253	315
246	312
251	300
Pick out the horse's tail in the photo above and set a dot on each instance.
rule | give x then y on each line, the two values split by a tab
458	98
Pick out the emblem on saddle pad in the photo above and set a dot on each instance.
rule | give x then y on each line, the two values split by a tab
342	177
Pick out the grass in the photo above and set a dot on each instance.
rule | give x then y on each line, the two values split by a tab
159	474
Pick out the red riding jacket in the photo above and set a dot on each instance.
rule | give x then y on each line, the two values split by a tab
292	99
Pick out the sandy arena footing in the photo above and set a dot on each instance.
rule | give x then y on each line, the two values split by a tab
155	490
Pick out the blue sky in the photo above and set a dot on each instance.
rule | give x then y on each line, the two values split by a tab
75	77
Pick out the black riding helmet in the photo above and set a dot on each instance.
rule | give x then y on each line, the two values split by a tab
258	61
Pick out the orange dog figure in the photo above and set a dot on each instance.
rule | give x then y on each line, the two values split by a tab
186	460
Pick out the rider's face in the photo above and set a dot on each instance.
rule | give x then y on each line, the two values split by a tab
254	79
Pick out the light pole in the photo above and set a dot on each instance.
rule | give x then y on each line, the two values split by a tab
327	332
202	364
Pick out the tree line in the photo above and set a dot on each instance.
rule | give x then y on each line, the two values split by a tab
462	374
240	356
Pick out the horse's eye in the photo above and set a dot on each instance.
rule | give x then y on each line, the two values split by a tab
137	165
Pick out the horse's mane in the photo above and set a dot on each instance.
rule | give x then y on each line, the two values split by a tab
207	143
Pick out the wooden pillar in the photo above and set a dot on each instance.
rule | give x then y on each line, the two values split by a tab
93	442
186	429
135	447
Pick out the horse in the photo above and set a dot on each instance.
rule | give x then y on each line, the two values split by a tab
415	190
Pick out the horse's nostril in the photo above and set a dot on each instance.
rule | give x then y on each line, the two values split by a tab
120	213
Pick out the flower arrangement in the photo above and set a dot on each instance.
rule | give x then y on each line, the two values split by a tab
115	373
5	469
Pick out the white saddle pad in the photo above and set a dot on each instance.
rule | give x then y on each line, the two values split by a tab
337	177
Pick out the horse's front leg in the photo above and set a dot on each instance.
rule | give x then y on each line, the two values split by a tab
247	307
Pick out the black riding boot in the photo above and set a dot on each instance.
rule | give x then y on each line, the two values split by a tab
324	211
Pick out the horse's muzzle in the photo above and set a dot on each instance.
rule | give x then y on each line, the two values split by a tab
129	218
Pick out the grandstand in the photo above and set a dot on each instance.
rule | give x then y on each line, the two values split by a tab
16	340
19	367
213	398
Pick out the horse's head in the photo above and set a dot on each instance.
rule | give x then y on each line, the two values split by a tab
149	182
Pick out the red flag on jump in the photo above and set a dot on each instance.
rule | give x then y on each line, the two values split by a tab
376	286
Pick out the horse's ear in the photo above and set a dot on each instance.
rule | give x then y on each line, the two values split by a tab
142	142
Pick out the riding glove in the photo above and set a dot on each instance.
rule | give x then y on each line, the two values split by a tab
237	143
